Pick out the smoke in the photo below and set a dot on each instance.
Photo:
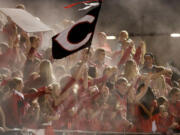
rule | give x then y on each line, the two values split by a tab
151	17
136	16
8	3
51	12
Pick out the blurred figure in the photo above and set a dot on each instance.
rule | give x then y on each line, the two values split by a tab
174	99
126	49
10	30
118	98
46	76
99	60
15	103
102	42
131	72
122	38
148	63
140	52
35	43
150	67
164	120
174	108
21	6
4	52
31	65
59	72
31	119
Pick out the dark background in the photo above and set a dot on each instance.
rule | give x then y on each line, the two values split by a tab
146	18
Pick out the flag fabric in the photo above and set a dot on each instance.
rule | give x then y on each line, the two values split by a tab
76	37
84	2
87	6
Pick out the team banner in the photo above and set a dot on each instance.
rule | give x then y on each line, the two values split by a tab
77	36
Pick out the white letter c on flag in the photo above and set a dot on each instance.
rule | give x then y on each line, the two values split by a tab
62	38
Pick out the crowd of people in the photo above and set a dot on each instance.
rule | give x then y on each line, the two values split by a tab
102	88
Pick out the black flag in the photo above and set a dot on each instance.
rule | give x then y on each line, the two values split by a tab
76	37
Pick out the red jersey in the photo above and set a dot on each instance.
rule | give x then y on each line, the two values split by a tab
125	56
16	104
8	57
163	123
174	109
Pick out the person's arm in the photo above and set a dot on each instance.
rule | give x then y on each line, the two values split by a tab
65	92
131	90
32	96
137	55
131	95
27	42
161	71
98	80
13	34
3	119
143	89
107	73
80	70
68	85
61	98
125	56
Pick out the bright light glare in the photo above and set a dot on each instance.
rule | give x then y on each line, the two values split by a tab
175	35
75	88
111	37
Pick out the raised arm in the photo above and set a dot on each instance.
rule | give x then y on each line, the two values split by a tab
143	89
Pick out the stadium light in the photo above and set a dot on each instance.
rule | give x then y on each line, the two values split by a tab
175	35
111	37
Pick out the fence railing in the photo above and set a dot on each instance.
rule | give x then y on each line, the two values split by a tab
69	132
72	132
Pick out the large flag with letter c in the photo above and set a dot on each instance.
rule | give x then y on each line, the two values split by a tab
76	37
